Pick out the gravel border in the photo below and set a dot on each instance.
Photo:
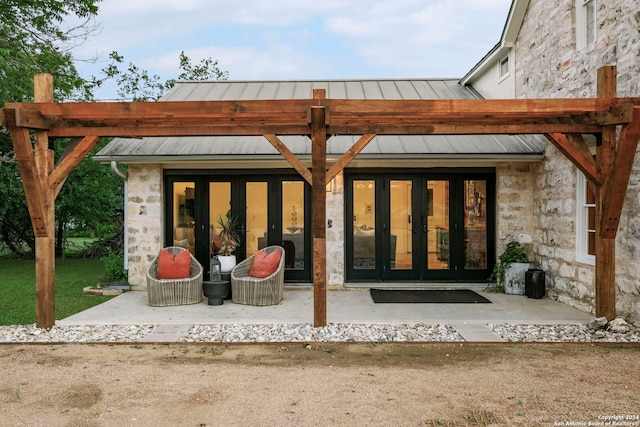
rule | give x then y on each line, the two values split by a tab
339	332
334	332
74	334
563	333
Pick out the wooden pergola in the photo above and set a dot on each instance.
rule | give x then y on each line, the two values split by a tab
562	121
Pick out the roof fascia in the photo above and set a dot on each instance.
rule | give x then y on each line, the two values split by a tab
270	160
507	40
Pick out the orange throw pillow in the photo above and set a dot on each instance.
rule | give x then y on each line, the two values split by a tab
264	264
172	266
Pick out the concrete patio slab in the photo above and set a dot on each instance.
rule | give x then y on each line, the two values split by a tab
348	306
476	332
167	333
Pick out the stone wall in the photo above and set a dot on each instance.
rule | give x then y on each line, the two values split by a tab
145	221
335	234
547	66
515	198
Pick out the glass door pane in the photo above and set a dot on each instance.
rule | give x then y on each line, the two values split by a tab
184	215
437	225
400	225
475	224
364	216
219	206
256	217
293	224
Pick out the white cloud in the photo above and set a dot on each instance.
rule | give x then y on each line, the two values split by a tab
278	61
288	39
413	37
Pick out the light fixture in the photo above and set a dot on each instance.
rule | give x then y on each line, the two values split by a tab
215	270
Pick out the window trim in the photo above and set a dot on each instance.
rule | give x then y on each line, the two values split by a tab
501	75
582	23
582	221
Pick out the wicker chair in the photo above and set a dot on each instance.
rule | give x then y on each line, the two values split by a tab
166	292
257	291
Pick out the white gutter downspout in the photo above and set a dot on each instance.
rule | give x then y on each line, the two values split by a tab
125	177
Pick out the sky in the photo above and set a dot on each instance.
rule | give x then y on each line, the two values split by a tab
297	39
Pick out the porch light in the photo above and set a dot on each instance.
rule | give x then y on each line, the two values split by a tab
215	270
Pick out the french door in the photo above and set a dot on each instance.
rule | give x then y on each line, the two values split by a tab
420	227
270	210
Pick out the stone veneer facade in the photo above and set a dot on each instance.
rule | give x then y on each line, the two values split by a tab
145	225
549	66
335	234
144	222
515	191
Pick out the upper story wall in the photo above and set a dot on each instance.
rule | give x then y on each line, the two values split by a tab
493	81
549	65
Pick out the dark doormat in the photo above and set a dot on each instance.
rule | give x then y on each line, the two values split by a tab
430	296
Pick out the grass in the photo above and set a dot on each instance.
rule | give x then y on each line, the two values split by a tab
18	289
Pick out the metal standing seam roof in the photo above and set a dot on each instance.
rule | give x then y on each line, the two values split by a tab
166	149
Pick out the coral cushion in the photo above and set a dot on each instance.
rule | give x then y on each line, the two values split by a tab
264	264
172	266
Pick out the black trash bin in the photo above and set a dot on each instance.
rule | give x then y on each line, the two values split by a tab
534	283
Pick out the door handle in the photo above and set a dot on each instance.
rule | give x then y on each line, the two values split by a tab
414	224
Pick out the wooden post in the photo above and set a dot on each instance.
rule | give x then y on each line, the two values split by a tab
319	209
605	247
45	244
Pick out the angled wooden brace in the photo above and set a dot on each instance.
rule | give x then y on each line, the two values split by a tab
74	153
574	147
615	191
31	181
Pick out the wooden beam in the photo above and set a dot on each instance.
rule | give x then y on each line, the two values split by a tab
574	148
610	109
336	128
607	88
605	247
139	119
32	119
290	157
605	277
389	113
319	213
348	156
421	126
45	243
289	117
194	111
471	128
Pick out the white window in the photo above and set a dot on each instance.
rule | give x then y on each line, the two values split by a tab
585	221
585	23
504	67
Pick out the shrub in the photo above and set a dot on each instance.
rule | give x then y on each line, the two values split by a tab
113	267
514	252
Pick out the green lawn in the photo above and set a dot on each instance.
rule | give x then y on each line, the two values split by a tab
18	289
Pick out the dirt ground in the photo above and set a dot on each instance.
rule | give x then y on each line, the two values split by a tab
319	385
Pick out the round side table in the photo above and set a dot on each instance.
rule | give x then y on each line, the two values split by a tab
216	291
